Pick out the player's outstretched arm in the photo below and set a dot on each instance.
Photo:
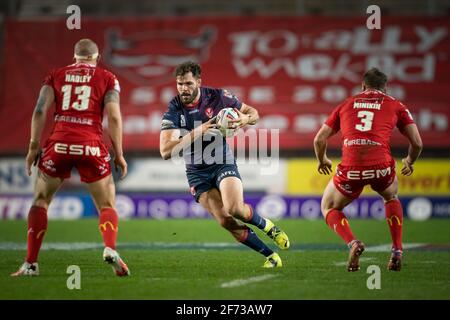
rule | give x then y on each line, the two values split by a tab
171	142
45	100
320	148
415	148
112	106
247	115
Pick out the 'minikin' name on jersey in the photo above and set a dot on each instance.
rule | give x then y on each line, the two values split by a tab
366	105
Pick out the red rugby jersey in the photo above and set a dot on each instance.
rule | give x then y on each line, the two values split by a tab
79	89
366	121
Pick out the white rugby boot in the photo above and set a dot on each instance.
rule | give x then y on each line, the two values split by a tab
112	258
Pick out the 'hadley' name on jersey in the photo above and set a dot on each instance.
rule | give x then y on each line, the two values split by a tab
77	78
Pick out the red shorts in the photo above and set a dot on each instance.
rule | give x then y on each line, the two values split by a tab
350	180
91	158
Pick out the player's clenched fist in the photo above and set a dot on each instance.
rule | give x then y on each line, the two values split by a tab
119	162
32	157
324	167
408	168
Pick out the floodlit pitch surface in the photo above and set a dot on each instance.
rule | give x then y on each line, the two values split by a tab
196	259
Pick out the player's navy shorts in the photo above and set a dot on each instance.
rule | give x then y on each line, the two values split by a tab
205	179
91	158
350	180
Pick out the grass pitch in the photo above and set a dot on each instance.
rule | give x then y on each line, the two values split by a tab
196	259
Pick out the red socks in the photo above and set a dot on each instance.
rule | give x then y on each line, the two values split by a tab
37	225
108	225
394	218
337	221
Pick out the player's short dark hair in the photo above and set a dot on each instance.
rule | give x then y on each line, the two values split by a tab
85	47
188	66
375	79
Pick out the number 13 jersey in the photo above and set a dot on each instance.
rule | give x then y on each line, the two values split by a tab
366	122
79	89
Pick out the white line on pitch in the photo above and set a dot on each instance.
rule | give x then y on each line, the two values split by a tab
387	247
243	282
343	263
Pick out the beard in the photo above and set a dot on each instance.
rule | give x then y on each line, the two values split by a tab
189	98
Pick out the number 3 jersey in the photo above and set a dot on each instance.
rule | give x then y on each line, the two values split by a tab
366	122
79	89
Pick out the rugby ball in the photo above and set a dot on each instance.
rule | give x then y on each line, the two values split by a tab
222	119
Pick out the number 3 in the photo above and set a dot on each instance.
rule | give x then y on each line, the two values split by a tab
366	119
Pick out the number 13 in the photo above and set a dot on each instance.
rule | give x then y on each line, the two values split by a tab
83	94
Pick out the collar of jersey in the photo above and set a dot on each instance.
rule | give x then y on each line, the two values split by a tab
379	91
86	64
